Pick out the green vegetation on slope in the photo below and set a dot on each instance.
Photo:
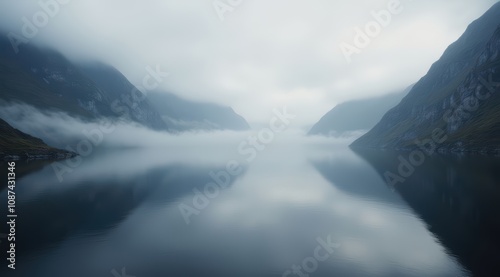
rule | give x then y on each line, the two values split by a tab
16	143
449	86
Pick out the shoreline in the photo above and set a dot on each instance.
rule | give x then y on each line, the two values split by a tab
36	156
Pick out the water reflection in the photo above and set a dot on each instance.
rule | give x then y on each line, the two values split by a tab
403	239
62	225
122	210
457	197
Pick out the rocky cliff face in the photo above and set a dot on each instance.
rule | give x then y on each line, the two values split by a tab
123	100
44	78
456	104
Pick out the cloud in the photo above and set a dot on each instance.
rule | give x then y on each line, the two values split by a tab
265	54
60	130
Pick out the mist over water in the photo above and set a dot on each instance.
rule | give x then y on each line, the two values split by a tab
122	209
120	153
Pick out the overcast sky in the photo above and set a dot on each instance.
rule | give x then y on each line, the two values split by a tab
264	54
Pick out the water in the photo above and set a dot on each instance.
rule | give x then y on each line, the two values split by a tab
118	214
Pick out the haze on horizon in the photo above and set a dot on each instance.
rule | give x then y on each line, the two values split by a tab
263	55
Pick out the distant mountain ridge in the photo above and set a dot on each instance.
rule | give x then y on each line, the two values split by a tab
356	115
184	115
45	79
457	99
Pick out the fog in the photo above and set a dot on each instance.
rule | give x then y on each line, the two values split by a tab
60	130
120	150
263	54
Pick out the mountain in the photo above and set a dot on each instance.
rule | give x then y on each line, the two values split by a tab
18	85
182	114
125	100
455	106
15	144
356	115
47	80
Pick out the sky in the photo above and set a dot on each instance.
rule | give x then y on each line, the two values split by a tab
256	55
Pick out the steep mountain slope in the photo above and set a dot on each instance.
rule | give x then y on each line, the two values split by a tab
47	80
16	85
184	115
124	94
356	115
455	104
15	144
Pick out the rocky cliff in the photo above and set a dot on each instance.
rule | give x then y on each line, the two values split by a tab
455	106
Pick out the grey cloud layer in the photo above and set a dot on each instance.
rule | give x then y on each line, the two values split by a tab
265	54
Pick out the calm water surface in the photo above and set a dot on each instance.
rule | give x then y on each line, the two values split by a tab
120	211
